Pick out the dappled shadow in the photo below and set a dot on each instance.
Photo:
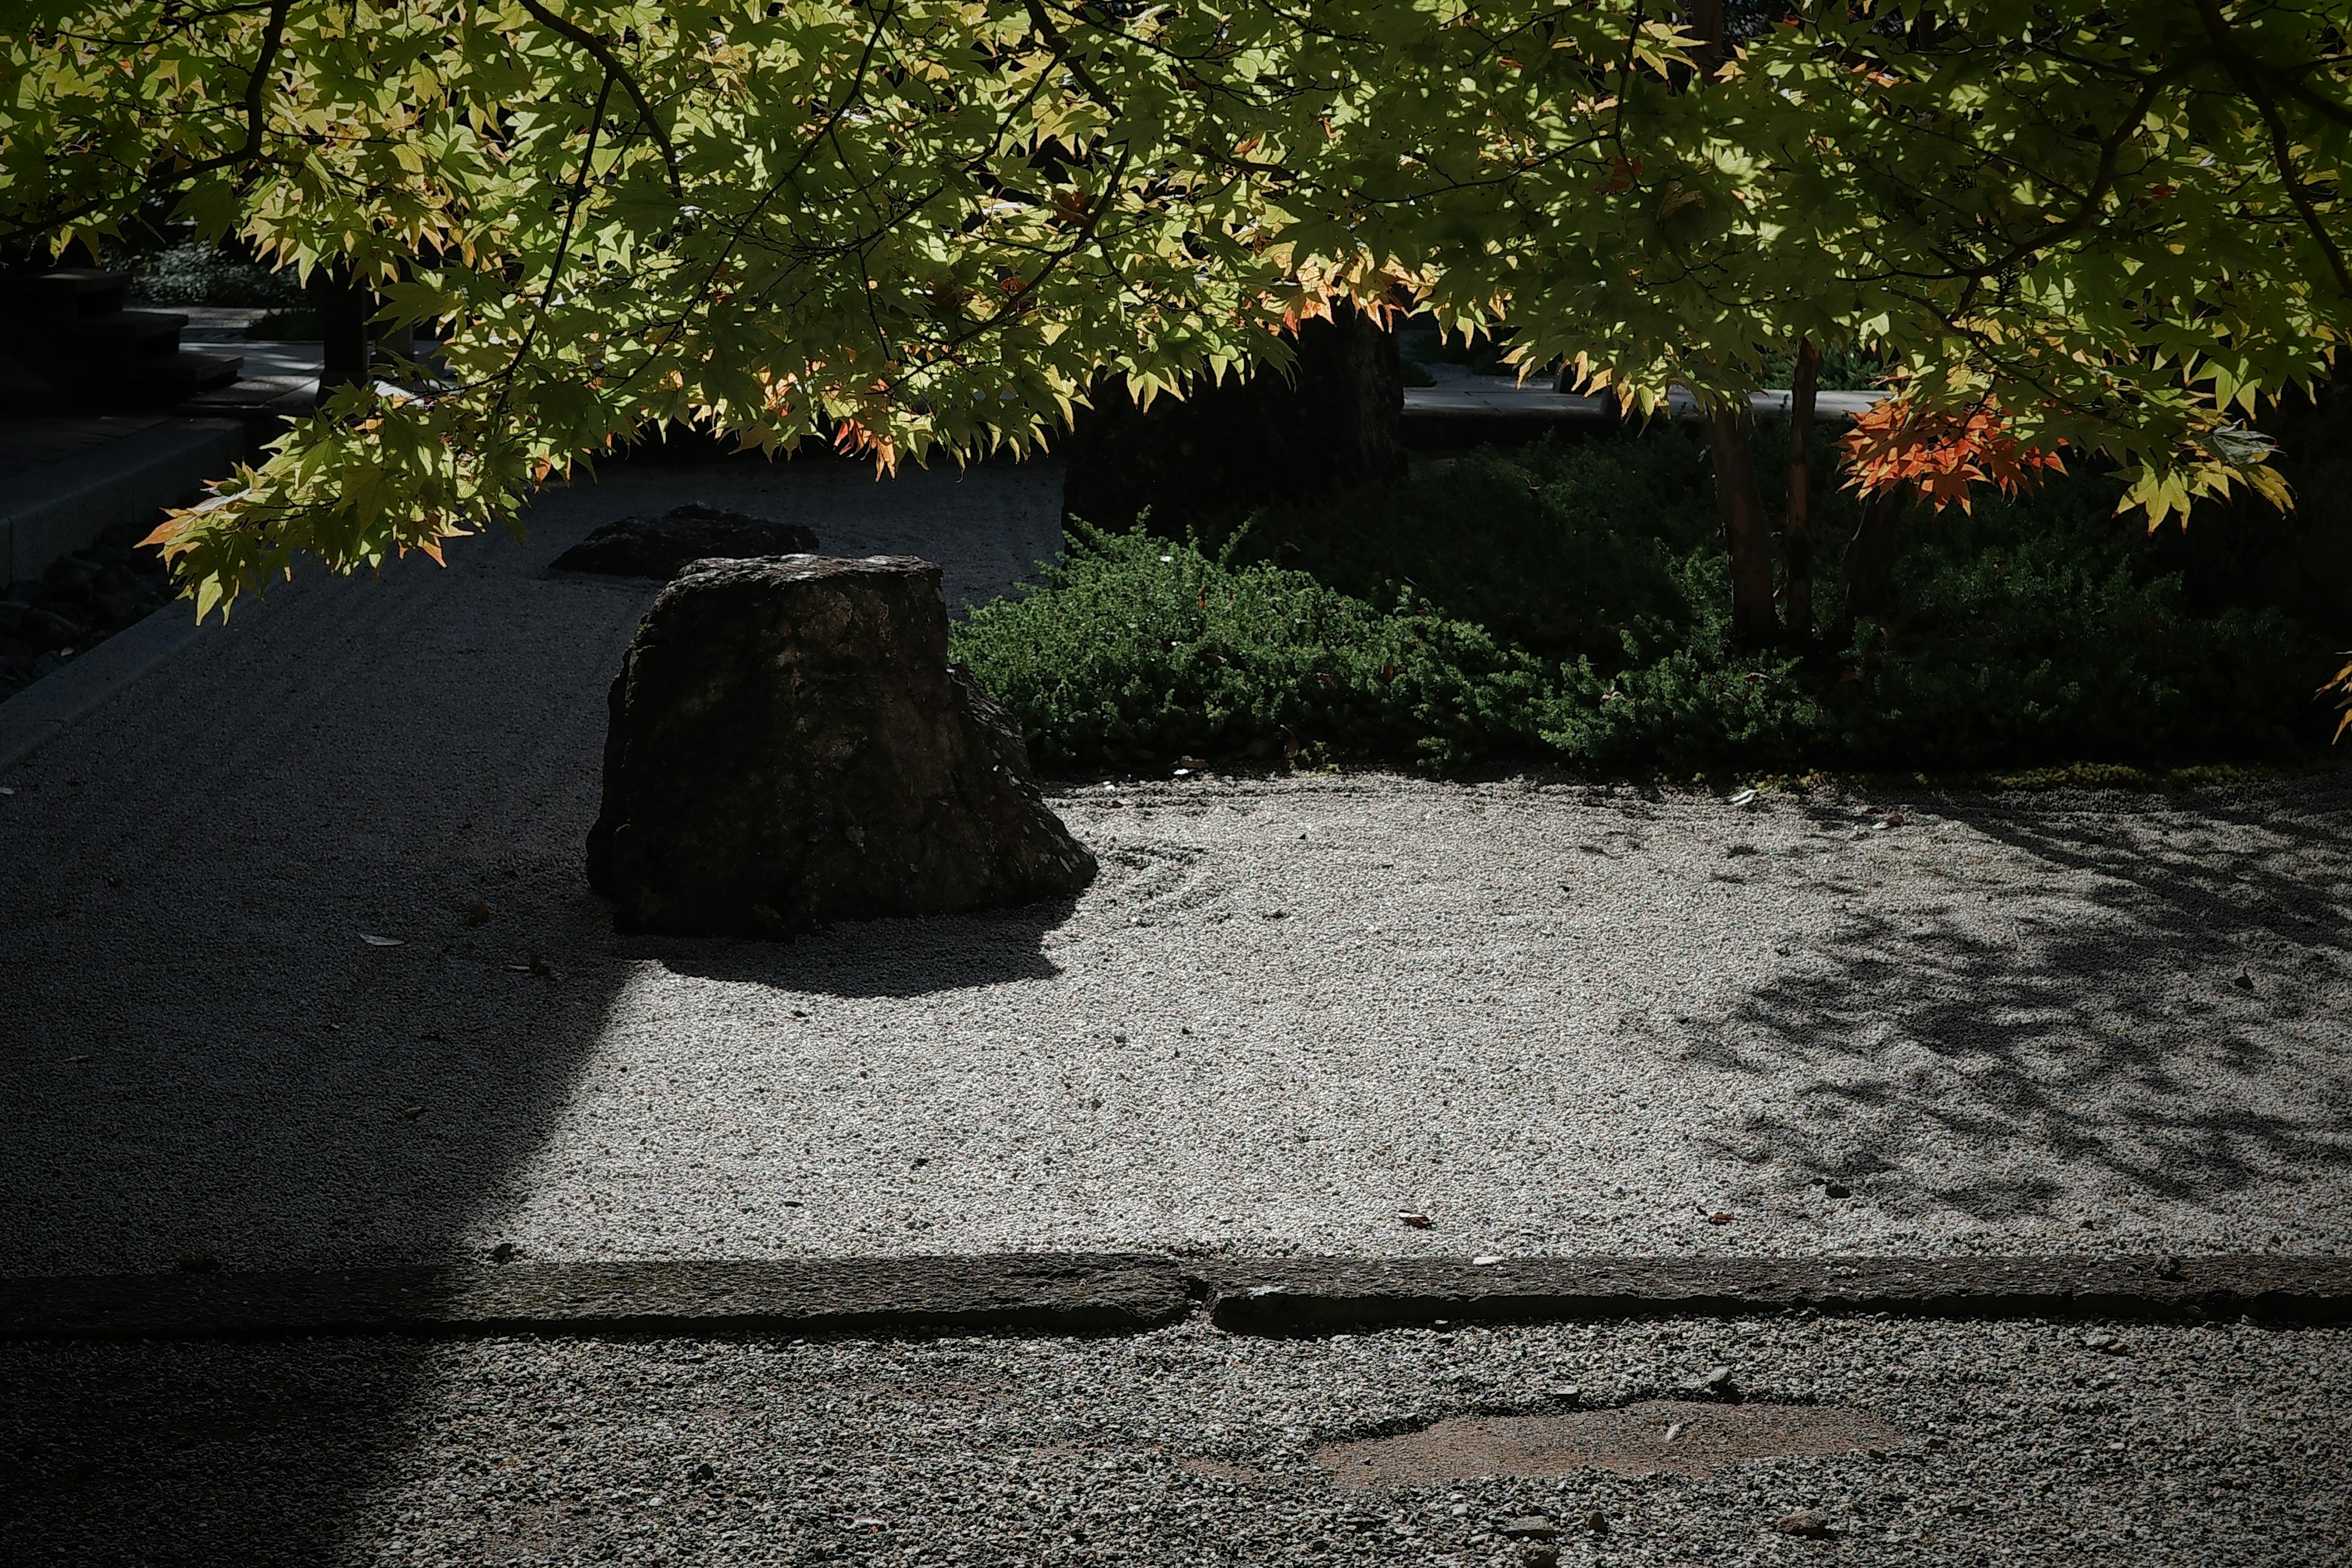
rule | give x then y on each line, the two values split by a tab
2160	1012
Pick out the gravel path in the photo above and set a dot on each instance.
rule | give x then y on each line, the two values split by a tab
1550	1018
1916	1443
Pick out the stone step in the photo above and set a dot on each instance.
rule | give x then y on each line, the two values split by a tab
117	335
72	292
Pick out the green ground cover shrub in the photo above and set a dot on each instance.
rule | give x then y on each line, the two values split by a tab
1569	602
198	274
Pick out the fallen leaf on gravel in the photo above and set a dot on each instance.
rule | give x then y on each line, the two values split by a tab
1675	1429
479	915
1804	1521
1418	1221
1894	819
1485	1260
412	1112
869	1519
1744	797
1718	1217
383	941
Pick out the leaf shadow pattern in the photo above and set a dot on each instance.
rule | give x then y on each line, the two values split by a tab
2153	1029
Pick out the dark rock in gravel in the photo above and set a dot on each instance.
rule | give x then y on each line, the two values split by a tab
789	744
662	547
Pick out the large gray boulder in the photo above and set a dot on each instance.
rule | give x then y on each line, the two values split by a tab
789	744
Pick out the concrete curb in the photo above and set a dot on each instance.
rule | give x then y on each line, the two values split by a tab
59	508
40	712
1064	1293
1077	1292
1320	1295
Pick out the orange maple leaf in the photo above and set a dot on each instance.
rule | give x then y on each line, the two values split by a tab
1939	454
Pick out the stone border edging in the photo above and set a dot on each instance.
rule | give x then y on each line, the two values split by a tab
1081	1292
58	508
1063	1292
1319	1295
50	706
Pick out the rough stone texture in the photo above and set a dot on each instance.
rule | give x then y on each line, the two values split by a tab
788	746
662	547
1067	1293
1318	1295
1334	422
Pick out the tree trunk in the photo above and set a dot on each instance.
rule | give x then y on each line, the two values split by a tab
1707	22
1208	459
1796	523
1744	530
1870	559
344	307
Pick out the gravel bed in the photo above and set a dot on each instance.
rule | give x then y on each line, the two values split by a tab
2011	1442
1545	1017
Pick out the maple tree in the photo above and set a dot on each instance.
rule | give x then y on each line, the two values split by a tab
2126	223
908	226
923	227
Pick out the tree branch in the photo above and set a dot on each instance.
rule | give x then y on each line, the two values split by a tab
619	72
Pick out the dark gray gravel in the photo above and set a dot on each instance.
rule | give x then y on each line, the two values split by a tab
2016	1442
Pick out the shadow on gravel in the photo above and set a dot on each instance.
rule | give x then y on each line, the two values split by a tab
881	958
204	1063
2179	1040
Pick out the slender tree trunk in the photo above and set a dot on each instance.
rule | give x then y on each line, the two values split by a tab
1707	21
343	308
1796	523
1870	559
1745	528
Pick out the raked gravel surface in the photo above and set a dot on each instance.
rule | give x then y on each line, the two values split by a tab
1549	1016
1912	1443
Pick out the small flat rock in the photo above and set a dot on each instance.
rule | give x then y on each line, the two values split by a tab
1529	1527
1807	1521
662	547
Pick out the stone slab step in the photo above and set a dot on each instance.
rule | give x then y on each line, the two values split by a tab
67	293
58	507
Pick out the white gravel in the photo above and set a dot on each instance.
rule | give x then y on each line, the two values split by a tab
1553	1018
2174	1447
